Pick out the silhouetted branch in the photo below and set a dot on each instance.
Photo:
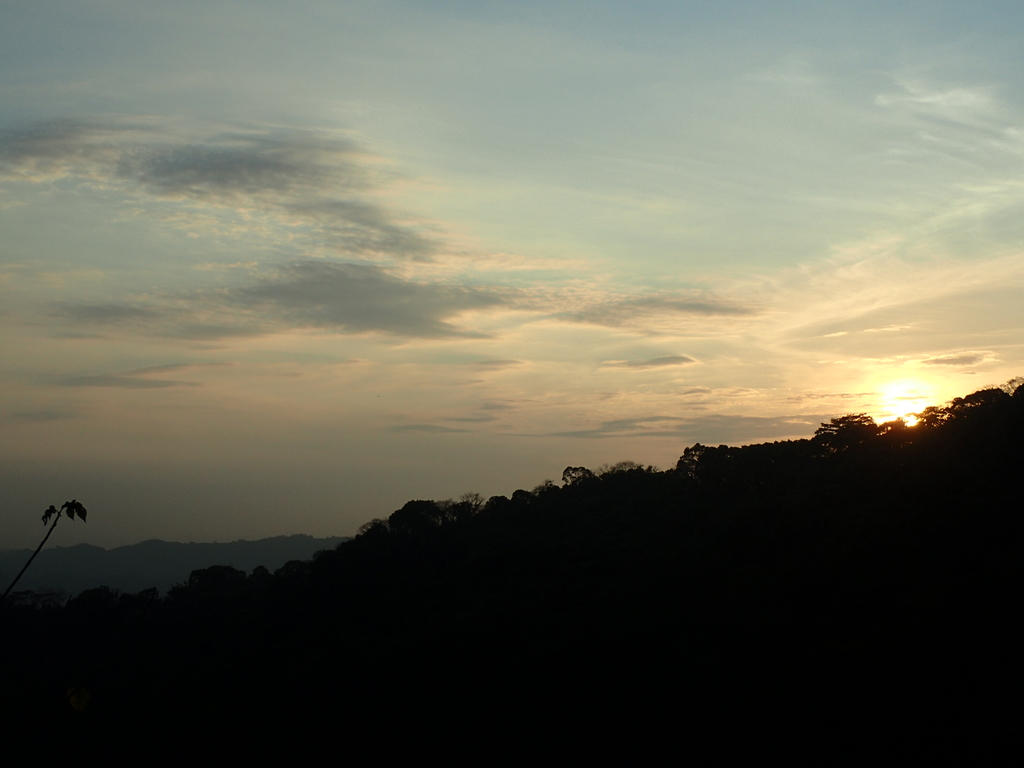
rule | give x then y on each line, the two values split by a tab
72	507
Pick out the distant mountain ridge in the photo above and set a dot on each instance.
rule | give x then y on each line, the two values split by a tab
153	563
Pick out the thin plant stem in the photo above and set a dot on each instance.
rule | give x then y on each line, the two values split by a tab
38	550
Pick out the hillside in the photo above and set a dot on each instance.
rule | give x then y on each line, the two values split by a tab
850	597
66	571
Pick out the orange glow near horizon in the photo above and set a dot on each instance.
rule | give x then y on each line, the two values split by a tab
902	399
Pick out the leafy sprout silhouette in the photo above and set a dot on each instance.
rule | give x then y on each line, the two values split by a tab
73	507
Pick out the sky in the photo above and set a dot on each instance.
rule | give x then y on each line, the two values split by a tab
272	268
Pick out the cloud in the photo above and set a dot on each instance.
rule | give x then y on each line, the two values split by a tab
51	148
304	294
108	313
126	381
494	365
432	428
970	358
713	428
196	317
357	297
168	368
138	379
623	311
887	329
967	106
42	415
351	226
318	185
803	397
657	362
246	165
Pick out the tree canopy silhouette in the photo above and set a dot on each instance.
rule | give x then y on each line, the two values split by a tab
846	595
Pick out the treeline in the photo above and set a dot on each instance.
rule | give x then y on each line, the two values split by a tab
852	595
62	572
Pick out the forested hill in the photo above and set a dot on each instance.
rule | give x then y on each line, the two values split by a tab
60	572
848	597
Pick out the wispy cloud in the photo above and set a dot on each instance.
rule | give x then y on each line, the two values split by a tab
713	428
52	148
304	294
965	358
657	362
965	105
138	379
494	365
170	367
247	166
431	428
888	329
357	298
805	396
619	312
196	317
150	377
321	186
43	415
107	313
499	406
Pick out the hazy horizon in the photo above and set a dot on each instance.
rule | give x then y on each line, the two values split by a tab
279	268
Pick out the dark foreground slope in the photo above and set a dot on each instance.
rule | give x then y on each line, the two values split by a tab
848	597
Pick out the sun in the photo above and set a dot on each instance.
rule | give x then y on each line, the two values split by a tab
902	399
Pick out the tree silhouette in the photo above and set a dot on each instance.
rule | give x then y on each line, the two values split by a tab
574	475
846	432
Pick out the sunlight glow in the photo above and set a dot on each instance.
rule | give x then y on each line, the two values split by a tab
903	398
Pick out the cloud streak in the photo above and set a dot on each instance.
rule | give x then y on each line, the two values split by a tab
319	185
620	312
968	358
51	148
356	298
713	428
657	362
494	365
125	382
305	294
137	379
43	415
429	428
